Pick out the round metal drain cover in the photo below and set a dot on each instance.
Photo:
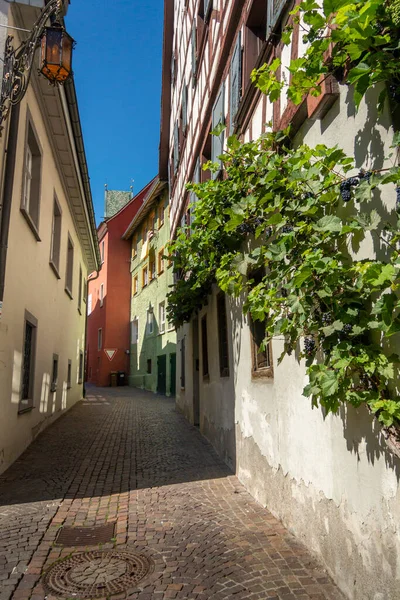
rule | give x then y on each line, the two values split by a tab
97	574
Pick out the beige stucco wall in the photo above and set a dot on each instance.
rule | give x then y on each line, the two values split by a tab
332	480
32	285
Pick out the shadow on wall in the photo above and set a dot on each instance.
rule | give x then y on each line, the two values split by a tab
151	369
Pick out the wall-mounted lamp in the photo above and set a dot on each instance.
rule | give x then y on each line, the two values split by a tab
55	57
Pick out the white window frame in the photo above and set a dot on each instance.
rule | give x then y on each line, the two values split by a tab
135	331
161	317
150	322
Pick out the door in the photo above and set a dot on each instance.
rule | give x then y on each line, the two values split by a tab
196	374
162	374
172	370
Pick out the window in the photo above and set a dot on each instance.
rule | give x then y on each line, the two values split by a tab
176	146
101	294
217	141
255	34
134	246
135	285
80	290
152	269
150	322
161	216
149	365
184	118
275	12
80	372
70	267
69	374
205	9
135	331
54	375
55	238
102	248
194	52
30	204
89	305
161	317
28	362
160	260
204	346
262	356
183	373
235	81
222	336
99	339
145	276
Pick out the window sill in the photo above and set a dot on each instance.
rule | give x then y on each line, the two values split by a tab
31	224
266	373
68	292
55	269
159	227
25	409
53	388
79	310
160	273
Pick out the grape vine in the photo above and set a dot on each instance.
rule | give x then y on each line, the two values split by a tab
281	211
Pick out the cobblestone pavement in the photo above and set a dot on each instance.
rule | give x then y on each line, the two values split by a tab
126	456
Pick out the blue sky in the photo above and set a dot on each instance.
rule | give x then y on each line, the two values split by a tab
117	67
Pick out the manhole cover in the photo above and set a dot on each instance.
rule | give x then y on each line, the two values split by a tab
97	574
85	536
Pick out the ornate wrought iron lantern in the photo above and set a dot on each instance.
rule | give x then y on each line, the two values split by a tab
56	54
55	57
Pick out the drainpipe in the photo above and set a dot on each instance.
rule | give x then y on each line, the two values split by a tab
11	152
86	327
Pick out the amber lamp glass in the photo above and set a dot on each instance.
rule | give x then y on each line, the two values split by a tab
56	54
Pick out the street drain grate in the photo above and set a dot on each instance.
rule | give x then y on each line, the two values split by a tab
96	574
85	536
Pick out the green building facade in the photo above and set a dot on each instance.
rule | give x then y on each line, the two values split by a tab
153	341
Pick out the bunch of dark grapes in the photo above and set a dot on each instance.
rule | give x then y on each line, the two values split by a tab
326	319
365	175
245	228
287	229
345	188
398	199
309	346
257	222
347	328
308	195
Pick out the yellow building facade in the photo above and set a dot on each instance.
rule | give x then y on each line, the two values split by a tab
49	246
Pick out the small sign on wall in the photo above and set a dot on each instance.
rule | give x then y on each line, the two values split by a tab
110	353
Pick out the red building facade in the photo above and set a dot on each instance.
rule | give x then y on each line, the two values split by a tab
109	295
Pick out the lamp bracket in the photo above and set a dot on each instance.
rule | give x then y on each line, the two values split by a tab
18	62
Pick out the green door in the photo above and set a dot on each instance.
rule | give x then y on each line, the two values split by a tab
172	363
162	374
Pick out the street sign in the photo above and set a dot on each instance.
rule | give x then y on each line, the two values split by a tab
110	353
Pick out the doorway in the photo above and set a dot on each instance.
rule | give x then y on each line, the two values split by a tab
172	372
196	373
162	374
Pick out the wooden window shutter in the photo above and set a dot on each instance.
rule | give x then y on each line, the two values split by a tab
235	80
184	108
176	146
207	6
222	336
275	10
193	197
217	141
194	52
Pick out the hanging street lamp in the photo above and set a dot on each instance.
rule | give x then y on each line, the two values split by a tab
55	57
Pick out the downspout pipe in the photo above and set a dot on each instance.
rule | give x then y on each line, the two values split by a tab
7	196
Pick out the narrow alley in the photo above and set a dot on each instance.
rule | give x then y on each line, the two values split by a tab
127	458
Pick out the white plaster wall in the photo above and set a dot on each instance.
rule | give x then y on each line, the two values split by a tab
32	285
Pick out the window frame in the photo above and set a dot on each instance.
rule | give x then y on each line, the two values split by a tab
257	372
27	403
69	277
183	362
204	348
160	261
135	285
81	366
54	373
26	210
162	321
101	295
102	251
145	276
150	322
55	265
134	328
69	374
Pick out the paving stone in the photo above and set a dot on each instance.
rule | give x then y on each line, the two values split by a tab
125	455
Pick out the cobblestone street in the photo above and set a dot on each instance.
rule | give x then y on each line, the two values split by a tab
126	457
